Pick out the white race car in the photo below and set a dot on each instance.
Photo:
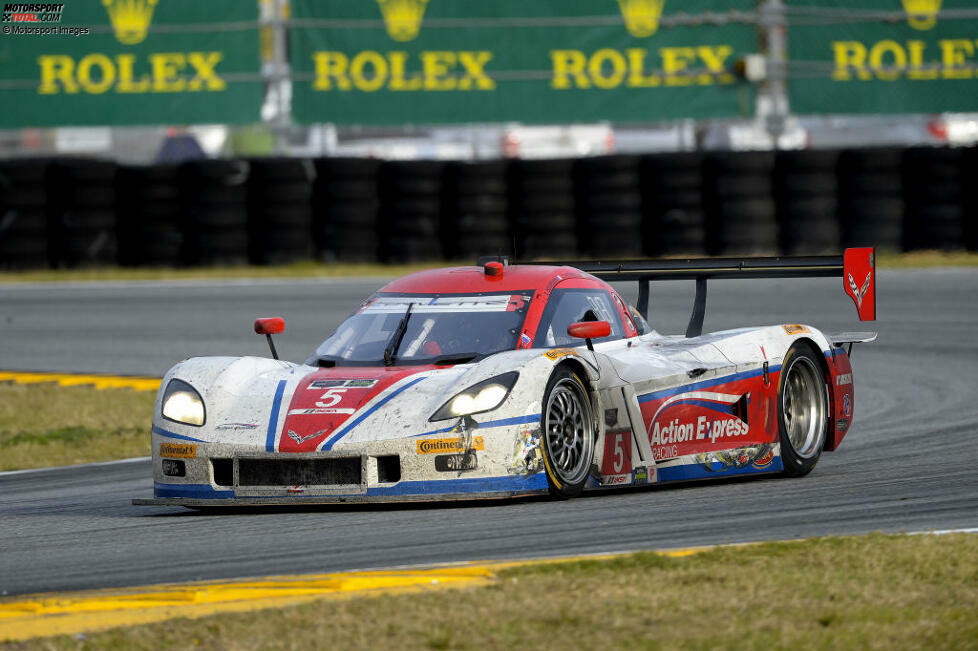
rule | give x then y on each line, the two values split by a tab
503	380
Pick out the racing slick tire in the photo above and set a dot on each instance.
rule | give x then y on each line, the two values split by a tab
803	411
568	434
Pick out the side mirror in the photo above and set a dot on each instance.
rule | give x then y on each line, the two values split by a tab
589	330
269	326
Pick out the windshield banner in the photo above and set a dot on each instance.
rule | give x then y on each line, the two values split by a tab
130	62
441	304
547	61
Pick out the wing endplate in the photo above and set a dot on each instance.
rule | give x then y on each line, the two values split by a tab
859	280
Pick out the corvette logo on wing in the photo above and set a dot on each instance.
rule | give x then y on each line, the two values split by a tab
860	293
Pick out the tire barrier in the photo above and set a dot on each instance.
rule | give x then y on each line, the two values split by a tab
346	209
543	209
83	229
24	214
410	211
674	214
739	199
215	200
871	197
149	216
76	212
475	219
932	194
280	210
806	191
609	201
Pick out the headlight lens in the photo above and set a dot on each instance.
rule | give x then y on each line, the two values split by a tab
484	396
181	403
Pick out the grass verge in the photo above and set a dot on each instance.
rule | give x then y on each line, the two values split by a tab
310	269
876	591
45	425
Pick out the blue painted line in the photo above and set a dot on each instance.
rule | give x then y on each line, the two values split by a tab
346	430
273	421
173	435
502	422
696	386
716	470
191	491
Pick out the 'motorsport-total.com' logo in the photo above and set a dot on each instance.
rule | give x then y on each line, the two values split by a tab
19	12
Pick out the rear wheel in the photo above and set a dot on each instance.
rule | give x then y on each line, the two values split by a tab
803	408
568	434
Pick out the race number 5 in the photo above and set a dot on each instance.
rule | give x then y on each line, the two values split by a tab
617	453
331	398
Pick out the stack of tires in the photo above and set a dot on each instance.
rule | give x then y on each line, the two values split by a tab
674	214
346	209
280	210
149	215
216	212
807	193
610	204
24	214
740	207
476	211
83	228
932	184
871	197
543	215
410	211
969	190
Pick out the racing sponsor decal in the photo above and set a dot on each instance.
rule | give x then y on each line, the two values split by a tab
843	379
616	480
737	458
524	340
764	460
842	424
557	353
643	475
456	462
795	328
617	454
527	456
847	405
716	416
178	450
327	401
436	446
236	426
611	417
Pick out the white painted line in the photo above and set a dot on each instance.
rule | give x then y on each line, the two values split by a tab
941	532
9	473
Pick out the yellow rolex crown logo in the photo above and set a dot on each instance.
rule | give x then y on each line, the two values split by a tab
130	19
402	17
922	14
641	16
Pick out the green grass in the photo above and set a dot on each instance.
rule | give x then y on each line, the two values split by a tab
309	269
865	592
44	425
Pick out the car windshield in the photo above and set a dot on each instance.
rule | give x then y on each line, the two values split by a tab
426	328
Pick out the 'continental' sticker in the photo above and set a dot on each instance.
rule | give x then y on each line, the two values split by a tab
178	450
440	446
794	328
557	353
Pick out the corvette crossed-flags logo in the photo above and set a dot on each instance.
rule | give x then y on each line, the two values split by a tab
857	292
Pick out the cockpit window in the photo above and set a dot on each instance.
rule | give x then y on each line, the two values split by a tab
641	324
440	326
567	306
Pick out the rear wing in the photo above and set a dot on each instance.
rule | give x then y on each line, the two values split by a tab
856	267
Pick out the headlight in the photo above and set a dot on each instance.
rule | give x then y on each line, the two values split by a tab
181	403
484	396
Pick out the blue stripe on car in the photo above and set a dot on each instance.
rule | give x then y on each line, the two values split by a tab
172	435
273	421
696	386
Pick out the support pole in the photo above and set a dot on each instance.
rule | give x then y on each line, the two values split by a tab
643	298
695	328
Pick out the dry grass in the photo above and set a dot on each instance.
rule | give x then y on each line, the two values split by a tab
886	260
870	592
45	425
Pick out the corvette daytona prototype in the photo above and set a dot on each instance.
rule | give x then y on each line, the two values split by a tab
504	380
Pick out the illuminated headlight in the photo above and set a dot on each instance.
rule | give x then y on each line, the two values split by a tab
182	404
484	396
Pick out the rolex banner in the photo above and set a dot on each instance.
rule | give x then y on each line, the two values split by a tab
883	56
129	62
440	61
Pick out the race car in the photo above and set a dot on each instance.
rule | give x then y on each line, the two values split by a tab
501	380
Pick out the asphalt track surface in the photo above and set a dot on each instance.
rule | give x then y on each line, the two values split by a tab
908	463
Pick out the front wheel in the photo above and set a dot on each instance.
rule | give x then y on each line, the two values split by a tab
568	434
803	407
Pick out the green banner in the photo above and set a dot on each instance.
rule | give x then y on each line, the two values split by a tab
539	61
883	56
129	62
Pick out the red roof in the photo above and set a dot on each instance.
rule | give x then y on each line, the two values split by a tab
452	280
